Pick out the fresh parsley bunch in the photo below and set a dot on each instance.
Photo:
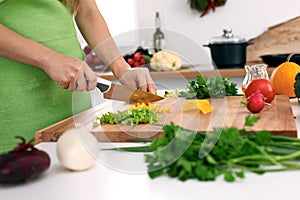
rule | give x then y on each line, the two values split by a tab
236	151
213	87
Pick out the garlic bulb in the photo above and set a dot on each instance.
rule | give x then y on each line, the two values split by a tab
77	149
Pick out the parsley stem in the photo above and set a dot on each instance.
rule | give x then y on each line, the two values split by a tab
263	152
263	170
289	156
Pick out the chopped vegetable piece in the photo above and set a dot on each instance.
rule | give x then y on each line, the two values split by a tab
140	113
198	104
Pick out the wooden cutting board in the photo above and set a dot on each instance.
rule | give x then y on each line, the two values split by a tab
277	118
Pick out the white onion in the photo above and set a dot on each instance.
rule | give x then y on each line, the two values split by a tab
77	149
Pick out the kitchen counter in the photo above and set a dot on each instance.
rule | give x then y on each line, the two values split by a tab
105	183
189	73
119	175
166	80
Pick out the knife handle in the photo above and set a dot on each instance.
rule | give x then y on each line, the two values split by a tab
103	84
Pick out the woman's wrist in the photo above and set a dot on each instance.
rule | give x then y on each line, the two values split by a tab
119	67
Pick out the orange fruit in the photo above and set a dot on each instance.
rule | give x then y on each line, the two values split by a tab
283	78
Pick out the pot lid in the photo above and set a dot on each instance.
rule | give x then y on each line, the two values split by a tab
227	37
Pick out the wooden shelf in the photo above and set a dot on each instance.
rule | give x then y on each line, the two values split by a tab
189	73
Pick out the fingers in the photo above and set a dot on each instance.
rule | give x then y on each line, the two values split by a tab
81	83
145	82
139	78
86	80
91	79
151	87
79	80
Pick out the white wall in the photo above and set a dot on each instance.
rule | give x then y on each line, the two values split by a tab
247	18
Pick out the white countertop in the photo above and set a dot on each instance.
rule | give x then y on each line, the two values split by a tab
110	181
105	183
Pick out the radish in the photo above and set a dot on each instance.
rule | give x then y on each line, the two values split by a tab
255	102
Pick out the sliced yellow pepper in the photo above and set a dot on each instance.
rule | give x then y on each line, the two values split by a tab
150	106
197	104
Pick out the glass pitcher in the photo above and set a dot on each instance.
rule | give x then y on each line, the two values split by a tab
254	72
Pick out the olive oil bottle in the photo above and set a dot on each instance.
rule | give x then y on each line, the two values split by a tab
158	36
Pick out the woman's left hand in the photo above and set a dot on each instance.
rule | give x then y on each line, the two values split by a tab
138	78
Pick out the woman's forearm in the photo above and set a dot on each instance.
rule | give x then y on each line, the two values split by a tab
95	31
16	47
91	23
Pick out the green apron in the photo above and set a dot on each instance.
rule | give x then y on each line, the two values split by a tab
29	99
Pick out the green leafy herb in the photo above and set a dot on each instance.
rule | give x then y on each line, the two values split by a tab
176	153
250	120
204	87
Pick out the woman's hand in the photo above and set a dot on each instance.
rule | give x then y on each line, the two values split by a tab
138	78
71	73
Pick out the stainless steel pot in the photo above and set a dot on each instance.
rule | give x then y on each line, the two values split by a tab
228	51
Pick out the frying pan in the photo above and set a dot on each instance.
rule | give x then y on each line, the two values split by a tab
274	60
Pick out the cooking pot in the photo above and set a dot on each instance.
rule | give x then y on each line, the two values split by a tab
228	51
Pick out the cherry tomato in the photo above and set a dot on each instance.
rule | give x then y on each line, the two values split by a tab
263	86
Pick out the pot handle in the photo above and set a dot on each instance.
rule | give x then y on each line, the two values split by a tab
206	45
250	43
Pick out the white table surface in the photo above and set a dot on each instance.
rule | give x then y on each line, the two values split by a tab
106	182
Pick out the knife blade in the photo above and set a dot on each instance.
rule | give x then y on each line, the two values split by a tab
123	93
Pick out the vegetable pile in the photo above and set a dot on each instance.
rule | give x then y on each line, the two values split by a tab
141	113
139	58
236	151
23	163
204	87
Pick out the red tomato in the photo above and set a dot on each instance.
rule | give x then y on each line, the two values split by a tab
263	86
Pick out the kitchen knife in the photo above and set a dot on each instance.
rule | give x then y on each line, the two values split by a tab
123	93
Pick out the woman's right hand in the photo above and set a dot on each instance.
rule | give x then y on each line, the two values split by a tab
71	73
